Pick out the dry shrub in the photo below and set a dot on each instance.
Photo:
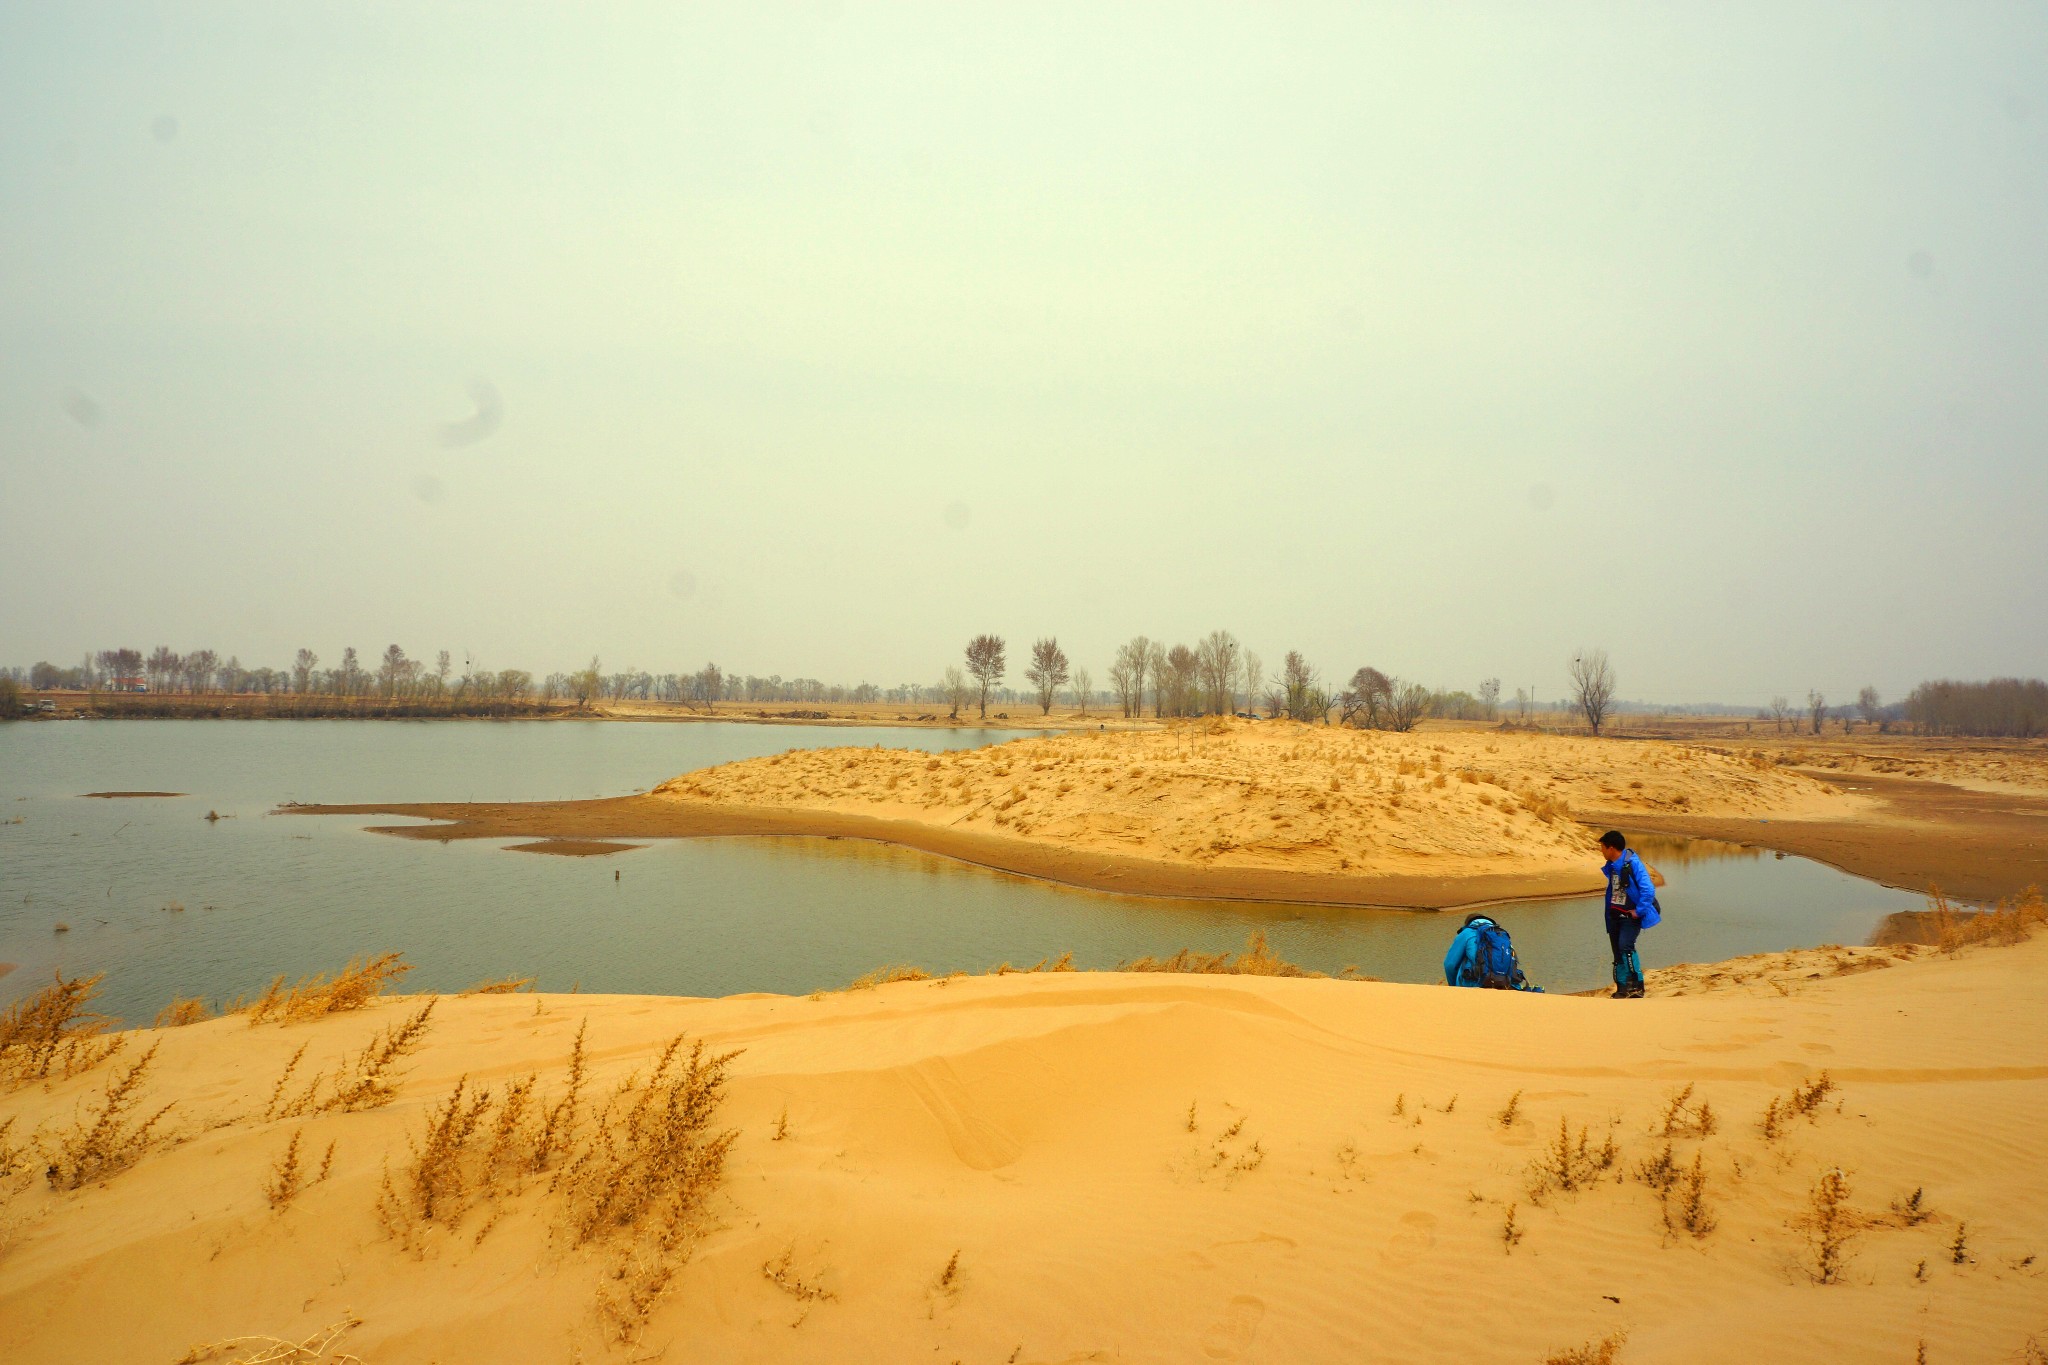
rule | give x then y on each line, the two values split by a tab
13	1155
182	1011
55	1030
1804	1101
1686	1117
1063	963
1912	1211
315	997
1510	1112
1830	1223
1510	1235
278	1351
288	1175
107	1139
1257	959
363	1080
1685	1202
883	976
637	1176
2010	921
1569	1164
504	985
1605	1351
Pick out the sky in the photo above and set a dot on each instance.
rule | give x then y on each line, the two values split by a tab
816	339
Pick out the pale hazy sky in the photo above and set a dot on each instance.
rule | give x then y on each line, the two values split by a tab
817	339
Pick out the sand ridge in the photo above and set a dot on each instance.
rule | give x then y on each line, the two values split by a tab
1230	794
1121	1167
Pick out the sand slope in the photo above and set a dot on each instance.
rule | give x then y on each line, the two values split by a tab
1308	799
1329	1203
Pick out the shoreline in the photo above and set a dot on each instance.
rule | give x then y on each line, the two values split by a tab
648	817
1973	845
1976	846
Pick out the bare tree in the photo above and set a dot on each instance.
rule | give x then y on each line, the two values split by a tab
1084	682
955	690
1254	679
1047	671
1489	696
1297	679
986	666
1817	708
1155	666
1120	679
304	664
1781	711
390	669
1867	706
1407	704
199	669
1132	666
442	663
587	683
1180	678
709	685
1522	702
1216	666
1593	686
1365	702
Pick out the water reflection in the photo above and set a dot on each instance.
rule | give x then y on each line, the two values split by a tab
269	894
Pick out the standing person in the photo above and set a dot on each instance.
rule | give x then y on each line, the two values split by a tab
1631	908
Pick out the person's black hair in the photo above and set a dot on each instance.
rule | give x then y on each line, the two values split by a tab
1612	839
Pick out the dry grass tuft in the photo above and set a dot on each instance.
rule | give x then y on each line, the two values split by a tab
1912	1211
1510	1235
1687	1117
314	997
1510	1112
106	1141
55	1030
1605	1351
883	976
1959	1248
504	985
781	1273
363	1080
287	1177
2010	921
1257	959
1570	1164
654	1151
1830	1223
1803	1102
278	1351
182	1011
1685	1204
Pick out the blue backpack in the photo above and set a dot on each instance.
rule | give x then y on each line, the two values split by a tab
1493	957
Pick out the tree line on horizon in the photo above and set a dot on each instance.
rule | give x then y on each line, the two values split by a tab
1214	676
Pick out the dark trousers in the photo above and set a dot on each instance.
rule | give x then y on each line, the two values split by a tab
1621	937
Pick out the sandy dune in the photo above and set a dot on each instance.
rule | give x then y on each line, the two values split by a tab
1306	799
1129	1168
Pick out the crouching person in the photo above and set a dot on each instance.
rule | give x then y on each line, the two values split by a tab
1482	955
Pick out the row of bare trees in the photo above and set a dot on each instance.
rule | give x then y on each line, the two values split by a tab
2014	708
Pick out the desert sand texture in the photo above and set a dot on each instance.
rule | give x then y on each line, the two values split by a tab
1265	796
1818	1160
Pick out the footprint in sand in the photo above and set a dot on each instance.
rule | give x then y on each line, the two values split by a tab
1417	1235
1230	1337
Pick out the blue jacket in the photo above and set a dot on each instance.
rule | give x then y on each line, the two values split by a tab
1629	887
1460	965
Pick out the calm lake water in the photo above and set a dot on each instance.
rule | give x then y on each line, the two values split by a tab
169	904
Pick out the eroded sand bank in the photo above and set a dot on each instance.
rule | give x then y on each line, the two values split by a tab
1128	1168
